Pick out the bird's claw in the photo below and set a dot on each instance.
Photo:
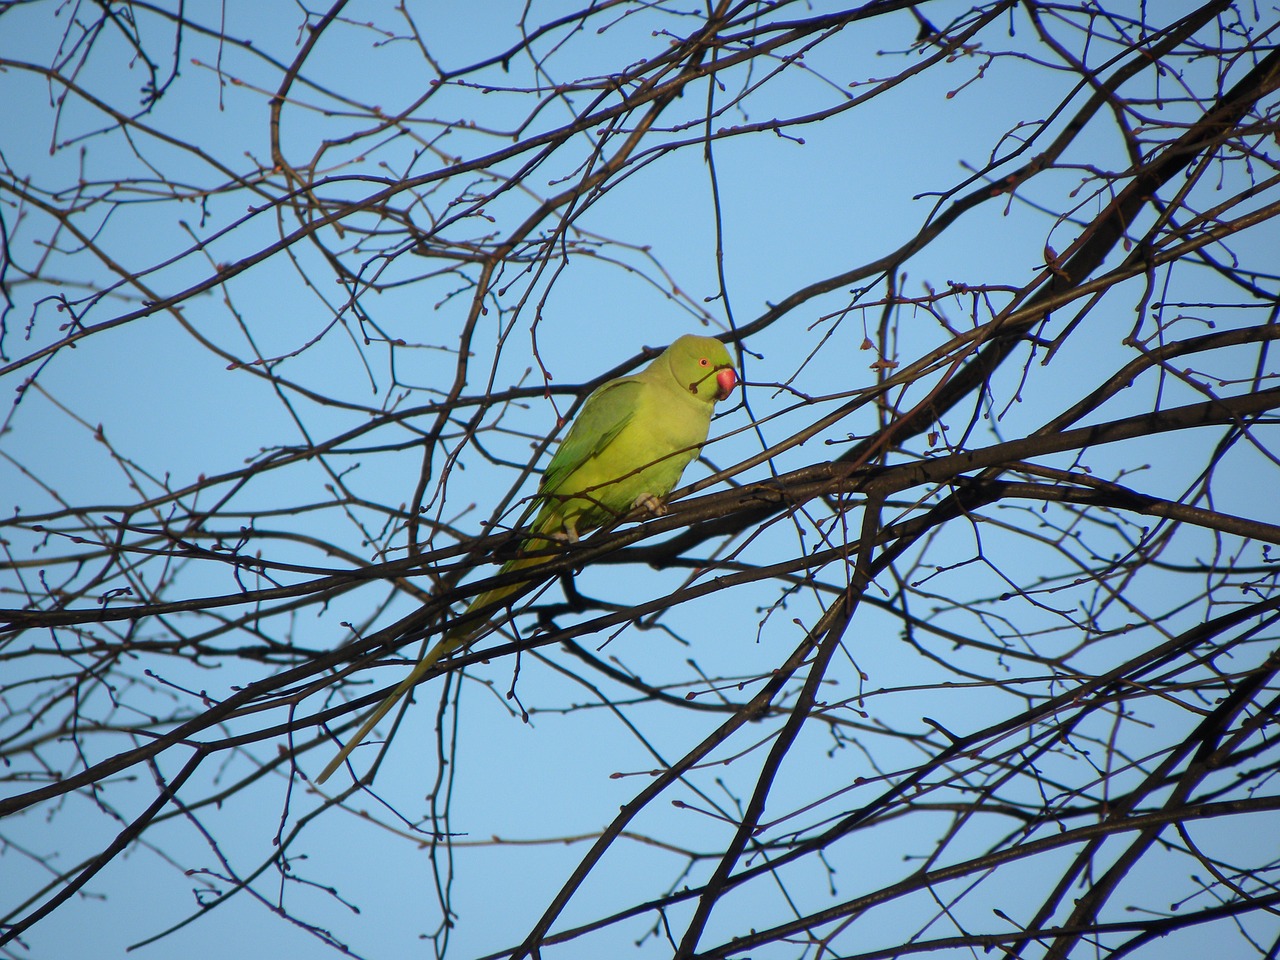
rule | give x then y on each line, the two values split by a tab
568	535
651	504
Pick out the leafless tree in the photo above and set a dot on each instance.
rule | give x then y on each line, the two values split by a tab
964	638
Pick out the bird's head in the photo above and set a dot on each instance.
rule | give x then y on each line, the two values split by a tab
703	365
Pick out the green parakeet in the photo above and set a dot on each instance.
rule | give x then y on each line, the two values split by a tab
627	447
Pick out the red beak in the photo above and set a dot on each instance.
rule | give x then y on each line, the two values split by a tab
726	380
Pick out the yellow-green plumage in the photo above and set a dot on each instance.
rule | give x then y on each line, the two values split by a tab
629	445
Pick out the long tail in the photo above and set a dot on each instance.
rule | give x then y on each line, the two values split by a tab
454	639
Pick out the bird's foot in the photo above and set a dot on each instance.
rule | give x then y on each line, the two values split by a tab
651	504
568	535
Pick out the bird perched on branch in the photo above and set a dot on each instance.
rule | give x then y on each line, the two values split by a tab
627	448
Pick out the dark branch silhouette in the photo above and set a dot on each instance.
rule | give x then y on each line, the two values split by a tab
961	637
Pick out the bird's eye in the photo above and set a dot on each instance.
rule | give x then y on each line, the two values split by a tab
704	362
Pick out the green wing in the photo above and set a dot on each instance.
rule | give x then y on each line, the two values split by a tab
598	423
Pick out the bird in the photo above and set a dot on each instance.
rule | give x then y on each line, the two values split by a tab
627	448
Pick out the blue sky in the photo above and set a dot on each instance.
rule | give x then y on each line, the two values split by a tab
859	186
